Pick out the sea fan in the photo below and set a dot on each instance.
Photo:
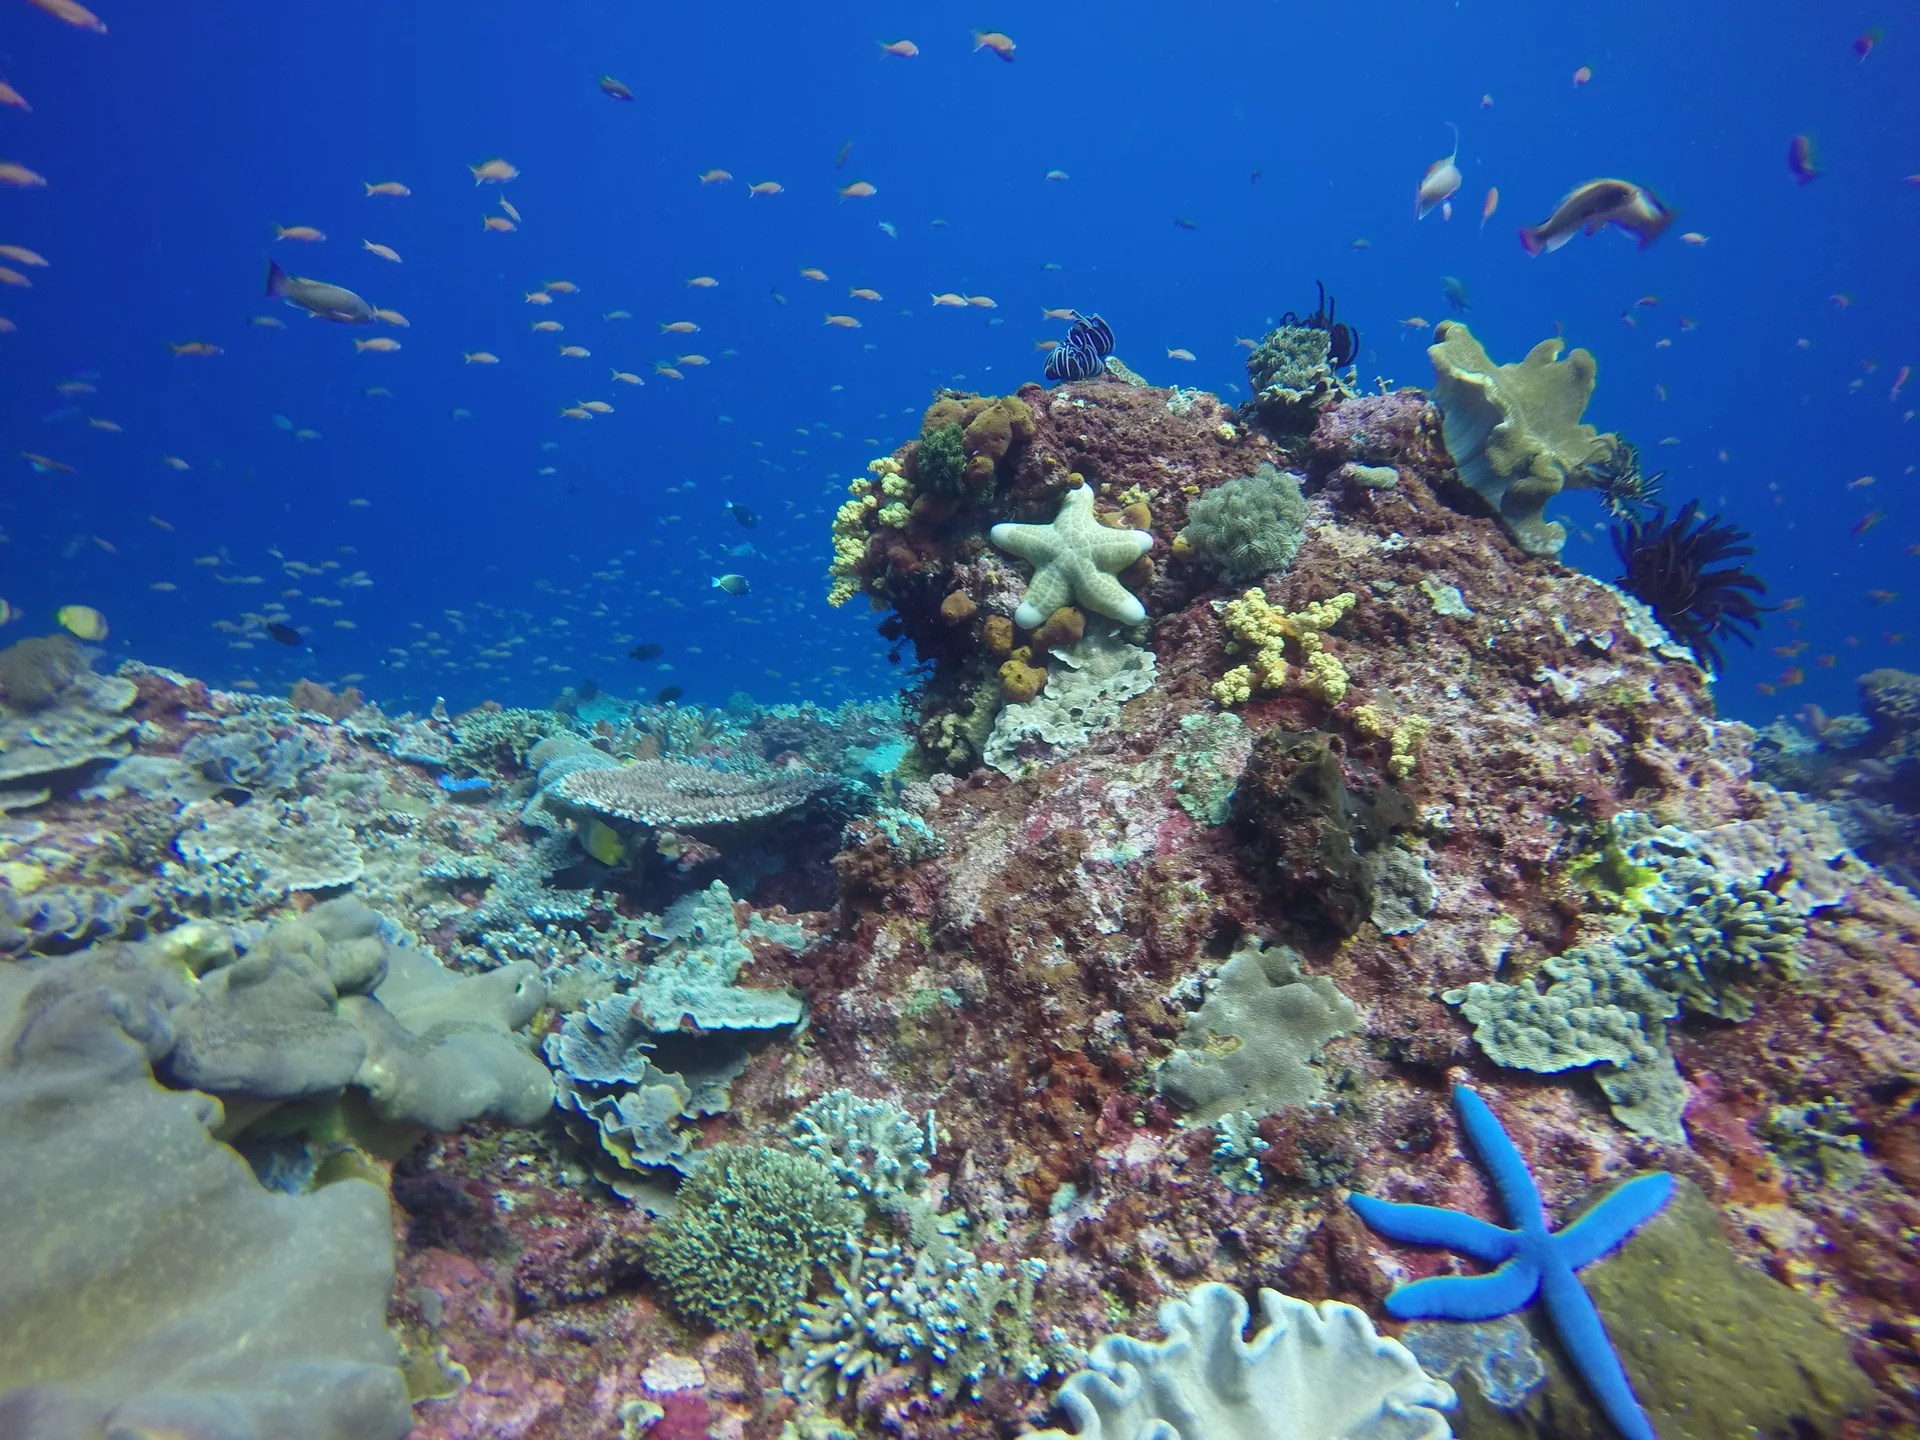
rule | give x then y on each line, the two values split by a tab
1667	565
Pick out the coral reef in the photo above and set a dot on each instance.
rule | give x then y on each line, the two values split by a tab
1119	1018
1294	378
751	1227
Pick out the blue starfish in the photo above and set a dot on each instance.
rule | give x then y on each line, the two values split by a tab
1532	1259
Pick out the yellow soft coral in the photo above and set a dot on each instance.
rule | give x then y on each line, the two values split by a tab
1326	677
1403	739
1234	687
1258	625
850	544
1406	745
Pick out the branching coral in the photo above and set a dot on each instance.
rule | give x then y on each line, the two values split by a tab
752	1227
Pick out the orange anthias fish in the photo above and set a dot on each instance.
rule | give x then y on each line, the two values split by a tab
858	190
905	49
1591	207
1489	205
1441	180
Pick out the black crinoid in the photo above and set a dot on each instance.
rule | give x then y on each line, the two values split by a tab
1668	565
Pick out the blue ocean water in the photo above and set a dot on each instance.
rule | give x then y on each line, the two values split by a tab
511	550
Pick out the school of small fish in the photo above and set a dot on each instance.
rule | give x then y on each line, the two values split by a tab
309	276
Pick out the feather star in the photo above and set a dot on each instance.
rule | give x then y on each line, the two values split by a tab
1075	559
1532	1259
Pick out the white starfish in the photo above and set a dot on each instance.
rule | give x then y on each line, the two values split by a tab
1074	561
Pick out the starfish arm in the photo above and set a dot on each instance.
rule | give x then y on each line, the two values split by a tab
1613	1219
1502	1161
1107	596
1030	542
1583	1339
1467	1297
1430	1225
1046	592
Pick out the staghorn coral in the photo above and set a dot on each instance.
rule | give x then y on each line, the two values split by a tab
673	794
